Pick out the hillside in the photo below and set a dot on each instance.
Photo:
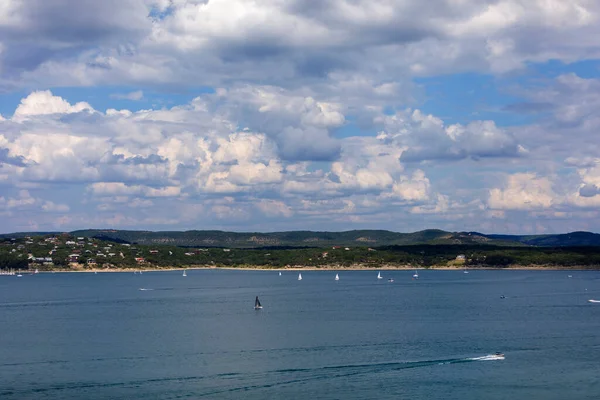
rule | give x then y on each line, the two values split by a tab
70	253
364	238
566	239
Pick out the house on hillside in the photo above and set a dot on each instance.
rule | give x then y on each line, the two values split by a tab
73	258
461	257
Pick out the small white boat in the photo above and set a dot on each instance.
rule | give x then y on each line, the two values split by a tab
593	301
465	272
19	276
391	280
36	271
279	273
569	276
299	277
257	305
337	277
416	275
379	275
184	273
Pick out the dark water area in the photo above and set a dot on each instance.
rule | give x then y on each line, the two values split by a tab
98	336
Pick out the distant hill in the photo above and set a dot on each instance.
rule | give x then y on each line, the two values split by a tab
364	238
560	240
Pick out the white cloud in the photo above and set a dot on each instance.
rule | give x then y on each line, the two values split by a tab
44	103
524	191
274	208
416	188
24	201
427	138
120	188
115	42
133	96
50	206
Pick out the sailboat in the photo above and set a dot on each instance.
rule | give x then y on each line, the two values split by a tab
36	271
379	275
465	272
416	275
257	305
299	277
337	277
184	273
279	273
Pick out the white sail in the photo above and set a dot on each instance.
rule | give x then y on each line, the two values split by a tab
337	277
379	275
416	275
280	274
299	277
184	273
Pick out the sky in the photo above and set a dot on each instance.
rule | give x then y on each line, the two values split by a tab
278	115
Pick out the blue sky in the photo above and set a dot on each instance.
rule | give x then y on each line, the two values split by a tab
278	115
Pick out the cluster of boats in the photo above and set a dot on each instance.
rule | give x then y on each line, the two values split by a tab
12	272
337	276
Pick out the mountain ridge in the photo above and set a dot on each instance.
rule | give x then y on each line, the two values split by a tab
304	238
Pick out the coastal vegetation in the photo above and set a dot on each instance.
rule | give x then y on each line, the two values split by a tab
67	252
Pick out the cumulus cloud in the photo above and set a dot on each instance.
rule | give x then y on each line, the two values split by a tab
415	188
427	138
523	191
120	188
297	92
198	152
44	103
147	42
24	201
274	208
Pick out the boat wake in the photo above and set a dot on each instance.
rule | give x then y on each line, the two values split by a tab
490	357
232	382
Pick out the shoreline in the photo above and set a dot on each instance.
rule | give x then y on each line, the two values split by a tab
327	268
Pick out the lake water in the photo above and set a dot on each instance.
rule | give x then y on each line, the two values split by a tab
97	336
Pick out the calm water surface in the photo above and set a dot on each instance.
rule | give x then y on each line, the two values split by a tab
97	336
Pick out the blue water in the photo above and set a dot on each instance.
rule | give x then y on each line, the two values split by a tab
97	336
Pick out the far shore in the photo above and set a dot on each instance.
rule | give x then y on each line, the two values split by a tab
326	268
